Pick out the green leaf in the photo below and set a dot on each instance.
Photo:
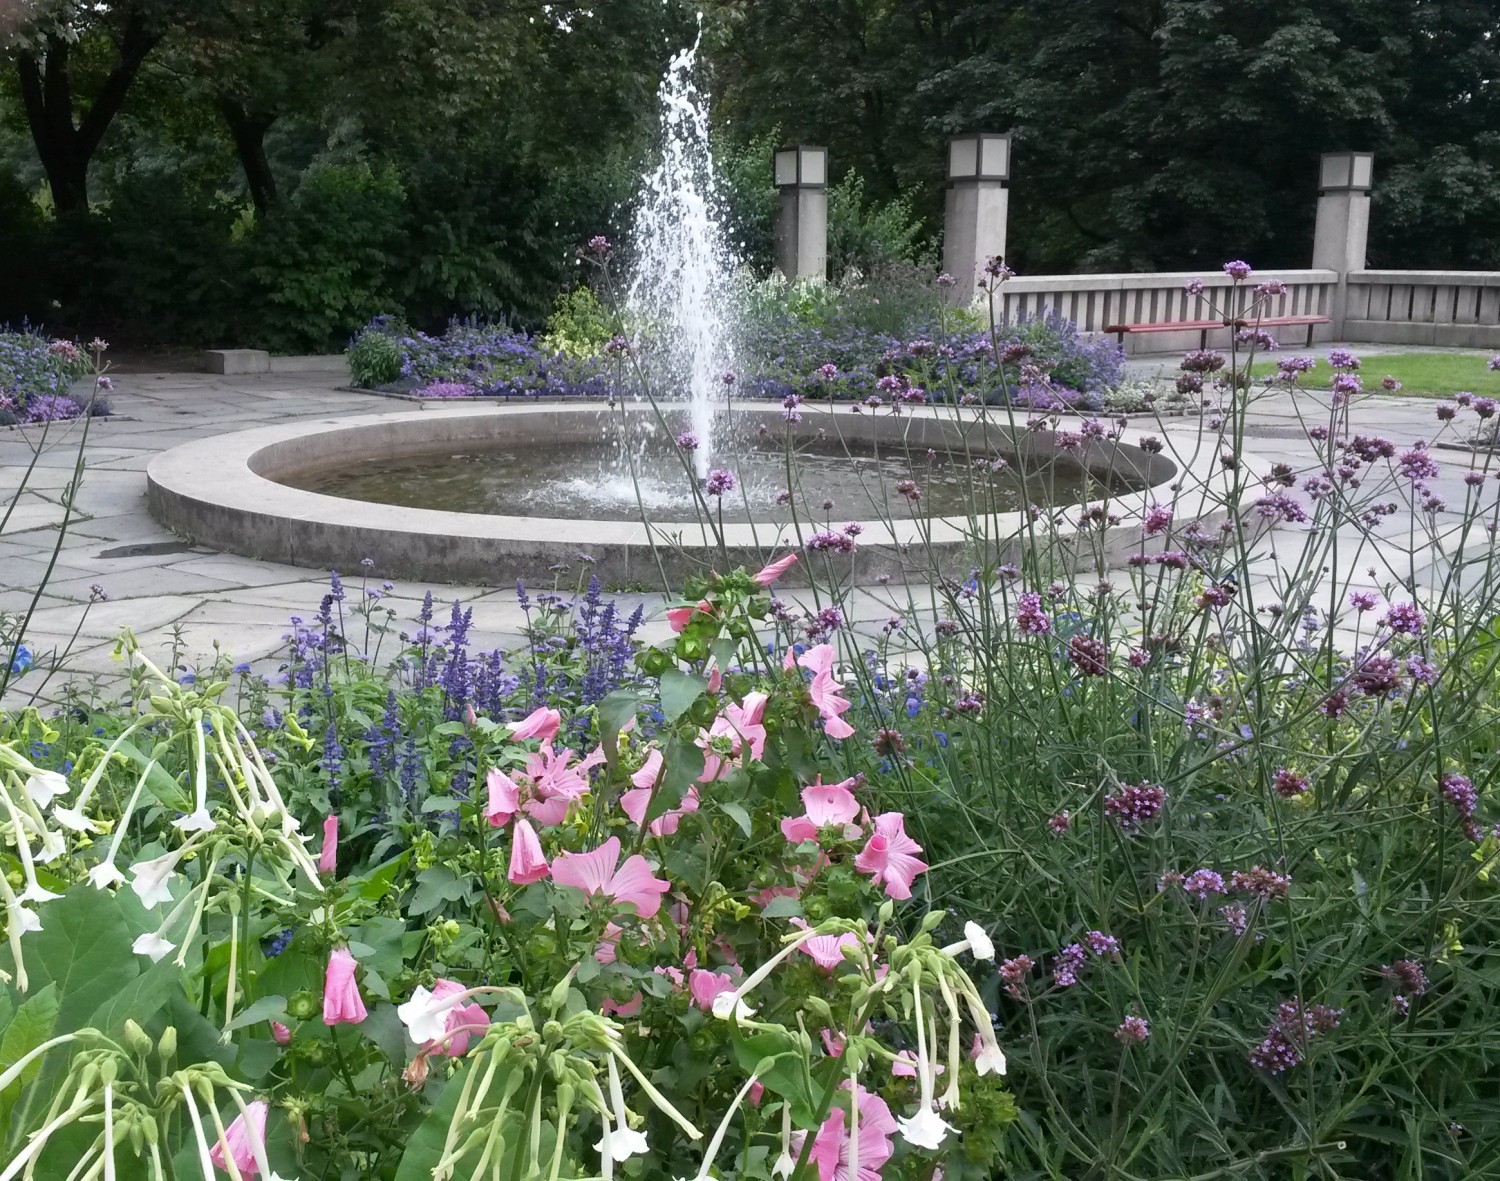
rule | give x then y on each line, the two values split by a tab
436	886
85	947
34	1022
616	711
158	783
789	1077
739	815
375	884
782	907
678	691
265	1009
141	999
424	1148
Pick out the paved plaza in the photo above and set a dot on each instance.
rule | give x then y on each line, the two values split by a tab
182	598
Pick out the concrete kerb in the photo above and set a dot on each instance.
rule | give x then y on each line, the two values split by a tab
222	492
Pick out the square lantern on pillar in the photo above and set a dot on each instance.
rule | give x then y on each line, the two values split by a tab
802	167
1341	172
981	156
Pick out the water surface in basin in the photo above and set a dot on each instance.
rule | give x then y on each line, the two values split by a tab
594	479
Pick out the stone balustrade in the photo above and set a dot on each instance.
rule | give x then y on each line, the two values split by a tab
1453	308
1094	302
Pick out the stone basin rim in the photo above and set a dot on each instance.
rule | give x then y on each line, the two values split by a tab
214	490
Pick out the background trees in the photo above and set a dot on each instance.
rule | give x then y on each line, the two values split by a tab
196	171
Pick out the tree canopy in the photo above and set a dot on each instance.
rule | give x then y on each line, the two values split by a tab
210	170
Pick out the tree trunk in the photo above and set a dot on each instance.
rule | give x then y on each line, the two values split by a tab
64	148
249	133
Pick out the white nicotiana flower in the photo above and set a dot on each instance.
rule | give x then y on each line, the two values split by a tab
24	920
732	1004
74	820
622	1141
197	820
105	874
728	1004
991	1059
717	1140
53	846
45	786
979	942
426	1016
926	1129
150	879
152	944
785	1162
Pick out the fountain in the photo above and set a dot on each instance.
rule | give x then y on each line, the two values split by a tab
489	493
679	298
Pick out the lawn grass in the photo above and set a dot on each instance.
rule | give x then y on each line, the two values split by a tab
1433	375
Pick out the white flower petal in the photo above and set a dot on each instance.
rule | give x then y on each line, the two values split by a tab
105	874
980	943
199	821
45	786
926	1129
71	818
153	945
25	920
991	1060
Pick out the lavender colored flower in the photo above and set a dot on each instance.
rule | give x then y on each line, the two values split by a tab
1060	822
1101	944
1238	270
1404	619
1290	368
1066	965
1031	620
1203	361
1343	359
831	541
1461	793
1132	1031
719	482
1135	805
1288	784
1265	883
1203	882
1089	656
1418	464
1235	917
687	441
1279	507
1362	600
1193	287
1379	676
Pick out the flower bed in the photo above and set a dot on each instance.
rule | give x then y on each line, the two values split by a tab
37	376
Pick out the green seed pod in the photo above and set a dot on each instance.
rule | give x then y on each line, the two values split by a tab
703	711
302	1005
690	648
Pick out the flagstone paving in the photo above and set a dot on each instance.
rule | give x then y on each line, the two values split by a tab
181	599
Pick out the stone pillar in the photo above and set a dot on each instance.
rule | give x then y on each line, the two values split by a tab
976	208
801	175
1343	224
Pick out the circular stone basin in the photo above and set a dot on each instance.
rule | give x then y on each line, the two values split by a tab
515	490
608	478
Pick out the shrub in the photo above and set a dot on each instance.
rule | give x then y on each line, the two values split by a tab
375	354
579	326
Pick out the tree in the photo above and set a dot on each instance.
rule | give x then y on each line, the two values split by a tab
73	55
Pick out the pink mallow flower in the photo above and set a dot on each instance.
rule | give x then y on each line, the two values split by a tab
551	784
539	723
527	861
743	725
888	855
679	617
245	1138
597	873
776	569
827	951
328	858
827	694
341	1002
704	985
826	804
504	797
637	800
830	1148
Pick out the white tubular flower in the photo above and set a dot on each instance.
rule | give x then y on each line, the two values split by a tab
926	1129
719	1133
109	1132
204	1162
19	920
623	1141
25	1060
73	820
991	1059
53	846
854	1124
785	1162
150	879
976	940
34	891
425	1016
45	786
949	1100
105	874
153	945
729	1005
96	775
662	1103
26	1158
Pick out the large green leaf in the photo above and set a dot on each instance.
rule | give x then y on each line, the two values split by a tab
158	783
678	691
34	1022
84	947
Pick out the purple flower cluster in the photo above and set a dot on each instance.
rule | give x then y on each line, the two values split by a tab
1292	1027
1404	619
1132	1031
1135	805
1342	359
1089	655
1031	620
719	481
831	541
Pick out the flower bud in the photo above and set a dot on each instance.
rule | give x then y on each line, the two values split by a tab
887	910
416	1072
137	1038
931	920
167	1046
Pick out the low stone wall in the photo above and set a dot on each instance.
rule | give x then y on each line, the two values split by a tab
1458	309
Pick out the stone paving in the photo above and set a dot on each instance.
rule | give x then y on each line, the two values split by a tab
183	600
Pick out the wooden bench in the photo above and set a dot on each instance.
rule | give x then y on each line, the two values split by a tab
1204	327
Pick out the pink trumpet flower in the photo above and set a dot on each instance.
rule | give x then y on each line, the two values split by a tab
328	859
527	861
504	797
888	855
827	694
679	617
827	951
776	569
241	1138
341	1001
539	723
595	873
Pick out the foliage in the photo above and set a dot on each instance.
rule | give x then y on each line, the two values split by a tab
579	325
866	237
374	355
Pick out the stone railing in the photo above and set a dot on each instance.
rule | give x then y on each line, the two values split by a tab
1454	308
1094	302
